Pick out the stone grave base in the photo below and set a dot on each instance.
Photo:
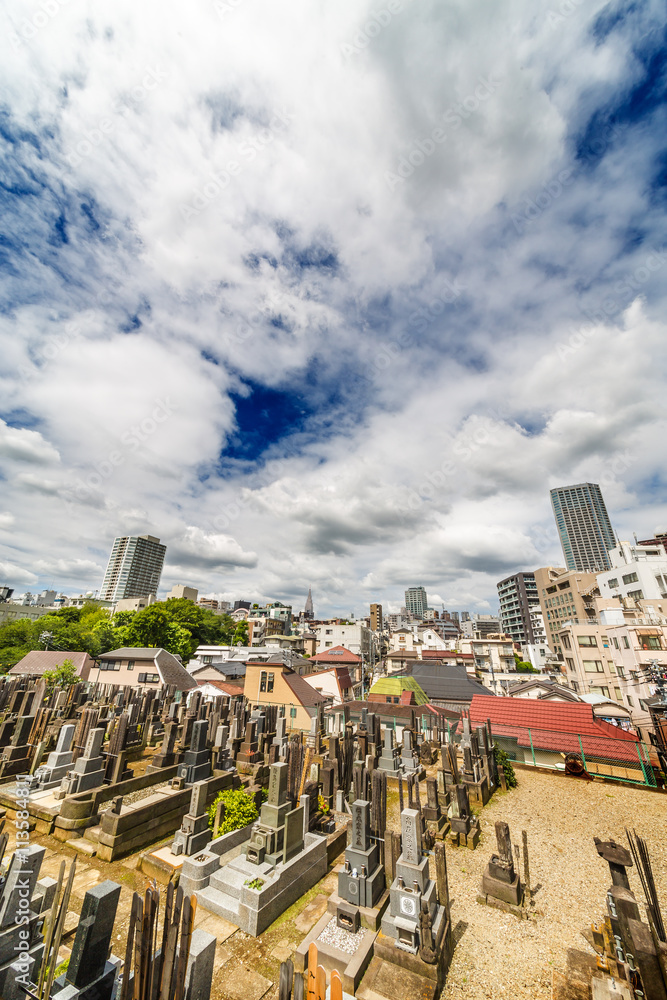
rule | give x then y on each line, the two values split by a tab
470	840
230	895
387	951
500	904
350	966
479	792
394	982
161	864
371	918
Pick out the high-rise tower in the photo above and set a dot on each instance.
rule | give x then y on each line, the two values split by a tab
584	527
134	569
416	601
308	607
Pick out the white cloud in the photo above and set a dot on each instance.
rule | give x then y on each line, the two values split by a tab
210	205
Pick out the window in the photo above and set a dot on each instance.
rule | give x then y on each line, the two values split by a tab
600	690
207	659
269	686
636	595
616	642
630	578
605	642
575	686
643	705
328	631
649	641
149	678
630	702
611	666
130	664
566	642
327	644
626	644
262	682
570	663
617	694
593	666
612	583
142	678
620	671
587	640
292	713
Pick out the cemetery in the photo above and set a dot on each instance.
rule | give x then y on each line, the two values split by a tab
156	844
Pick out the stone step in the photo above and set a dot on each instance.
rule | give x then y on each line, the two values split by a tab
83	847
229	881
92	834
220	903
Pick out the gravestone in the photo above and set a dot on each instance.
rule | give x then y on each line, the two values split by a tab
196	764
88	771
57	764
194	833
390	757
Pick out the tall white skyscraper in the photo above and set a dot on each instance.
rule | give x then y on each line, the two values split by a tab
134	569
416	601
586	534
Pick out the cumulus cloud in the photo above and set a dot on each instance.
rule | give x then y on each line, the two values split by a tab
443	236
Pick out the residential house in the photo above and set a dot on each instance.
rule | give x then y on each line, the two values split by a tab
38	661
279	684
142	667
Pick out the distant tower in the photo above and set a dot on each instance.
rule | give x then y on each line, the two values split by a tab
376	618
416	601
308	609
586	535
134	569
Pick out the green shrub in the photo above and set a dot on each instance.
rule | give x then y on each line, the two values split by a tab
502	760
239	810
255	883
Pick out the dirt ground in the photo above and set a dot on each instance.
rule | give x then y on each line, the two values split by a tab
496	956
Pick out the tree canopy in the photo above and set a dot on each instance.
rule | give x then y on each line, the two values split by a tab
178	625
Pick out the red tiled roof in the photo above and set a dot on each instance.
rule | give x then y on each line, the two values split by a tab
554	726
337	654
225	687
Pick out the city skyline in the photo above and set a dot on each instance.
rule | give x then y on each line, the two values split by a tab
322	306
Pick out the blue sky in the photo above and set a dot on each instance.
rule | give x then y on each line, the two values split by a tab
329	298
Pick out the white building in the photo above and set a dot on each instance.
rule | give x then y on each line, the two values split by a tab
357	638
638	572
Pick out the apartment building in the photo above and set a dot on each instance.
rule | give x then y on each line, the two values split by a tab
585	531
638	572
612	656
357	638
517	596
564	595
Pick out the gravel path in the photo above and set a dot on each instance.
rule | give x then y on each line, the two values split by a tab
499	956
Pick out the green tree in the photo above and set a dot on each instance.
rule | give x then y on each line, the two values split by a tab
240	809
63	675
502	760
240	637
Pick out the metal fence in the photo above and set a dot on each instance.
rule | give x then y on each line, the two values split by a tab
622	760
